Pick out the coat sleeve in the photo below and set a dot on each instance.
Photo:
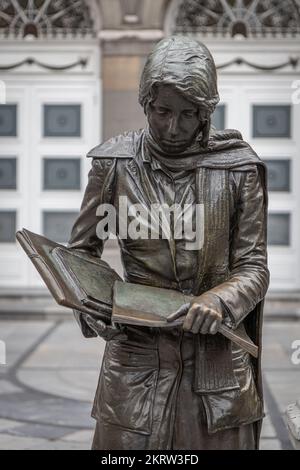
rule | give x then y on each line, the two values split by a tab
84	232
248	279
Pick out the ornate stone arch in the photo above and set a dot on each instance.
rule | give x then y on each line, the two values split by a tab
248	18
49	18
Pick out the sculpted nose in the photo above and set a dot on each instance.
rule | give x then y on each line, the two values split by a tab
173	126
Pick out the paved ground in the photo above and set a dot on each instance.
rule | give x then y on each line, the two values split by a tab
47	385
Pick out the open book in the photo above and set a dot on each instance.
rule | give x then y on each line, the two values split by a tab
83	282
136	304
75	278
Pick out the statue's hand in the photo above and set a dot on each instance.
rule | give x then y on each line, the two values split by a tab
106	332
202	315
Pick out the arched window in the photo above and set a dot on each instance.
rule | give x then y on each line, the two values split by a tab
46	18
248	18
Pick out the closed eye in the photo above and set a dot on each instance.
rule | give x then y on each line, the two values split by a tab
189	114
162	111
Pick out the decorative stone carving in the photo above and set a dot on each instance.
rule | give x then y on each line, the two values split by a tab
45	18
238	17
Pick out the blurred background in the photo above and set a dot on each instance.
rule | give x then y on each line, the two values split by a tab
69	76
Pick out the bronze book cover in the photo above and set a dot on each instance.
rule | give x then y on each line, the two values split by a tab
74	278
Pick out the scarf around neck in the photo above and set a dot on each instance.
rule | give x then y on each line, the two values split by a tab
221	144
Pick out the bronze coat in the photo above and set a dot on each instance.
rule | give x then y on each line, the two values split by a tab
232	265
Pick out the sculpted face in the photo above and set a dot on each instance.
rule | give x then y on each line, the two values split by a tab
173	120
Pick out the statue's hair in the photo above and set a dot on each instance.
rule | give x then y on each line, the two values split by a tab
188	66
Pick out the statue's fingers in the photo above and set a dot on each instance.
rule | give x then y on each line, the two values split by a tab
115	330
198	320
90	320
207	322
179	313
96	325
214	327
92	326
193	314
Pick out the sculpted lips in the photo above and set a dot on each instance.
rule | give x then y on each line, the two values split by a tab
174	142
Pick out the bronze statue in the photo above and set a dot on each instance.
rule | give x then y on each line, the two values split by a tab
183	387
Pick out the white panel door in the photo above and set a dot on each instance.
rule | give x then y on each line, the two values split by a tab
57	122
14	201
261	108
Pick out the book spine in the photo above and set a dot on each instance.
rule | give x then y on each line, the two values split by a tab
68	274
43	270
48	278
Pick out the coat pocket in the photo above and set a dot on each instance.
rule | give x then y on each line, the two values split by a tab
127	386
235	408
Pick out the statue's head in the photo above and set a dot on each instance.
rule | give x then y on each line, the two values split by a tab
178	91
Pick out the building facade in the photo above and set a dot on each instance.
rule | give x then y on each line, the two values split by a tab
70	72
